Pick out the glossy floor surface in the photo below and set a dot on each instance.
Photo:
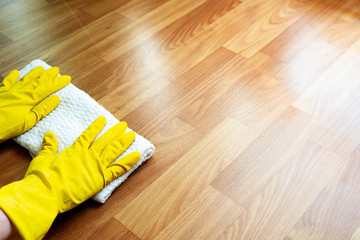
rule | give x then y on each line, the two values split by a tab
253	107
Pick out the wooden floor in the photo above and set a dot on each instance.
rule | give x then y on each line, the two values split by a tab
253	106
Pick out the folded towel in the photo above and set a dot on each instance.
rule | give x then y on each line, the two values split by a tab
76	111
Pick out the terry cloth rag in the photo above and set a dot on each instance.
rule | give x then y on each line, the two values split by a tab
76	111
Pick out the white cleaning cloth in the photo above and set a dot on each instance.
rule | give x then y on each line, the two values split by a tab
76	111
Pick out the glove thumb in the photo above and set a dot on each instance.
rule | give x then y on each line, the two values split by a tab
43	159
49	145
121	166
41	110
10	79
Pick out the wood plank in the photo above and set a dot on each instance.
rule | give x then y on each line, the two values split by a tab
179	96
332	216
62	47
334	87
352	12
34	15
278	93
194	50
232	94
267	103
263	159
112	229
310	54
79	65
137	8
141	29
309	30
101	7
4	40
261	168
209	108
11	171
90	217
345	132
122	76
85	37
130	96
234	230
279	17
71	4
290	181
193	23
204	218
213	35
176	188
287	201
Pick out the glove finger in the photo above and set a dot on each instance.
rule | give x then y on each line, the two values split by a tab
41	110
116	148
51	73
32	75
10	79
100	144
45	77
58	83
121	166
47	86
88	136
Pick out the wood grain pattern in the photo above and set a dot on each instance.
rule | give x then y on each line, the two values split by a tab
180	95
253	107
175	194
269	26
213	36
100	8
283	183
324	214
112	229
137	8
15	18
214	212
146	26
316	99
169	136
12	171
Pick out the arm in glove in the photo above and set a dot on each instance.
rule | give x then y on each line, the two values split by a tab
23	103
56	183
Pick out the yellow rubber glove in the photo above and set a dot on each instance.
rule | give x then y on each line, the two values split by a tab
22	102
56	183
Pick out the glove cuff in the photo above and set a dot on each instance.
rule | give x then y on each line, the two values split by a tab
30	206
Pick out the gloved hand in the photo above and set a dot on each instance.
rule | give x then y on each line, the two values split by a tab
56	183
22	102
